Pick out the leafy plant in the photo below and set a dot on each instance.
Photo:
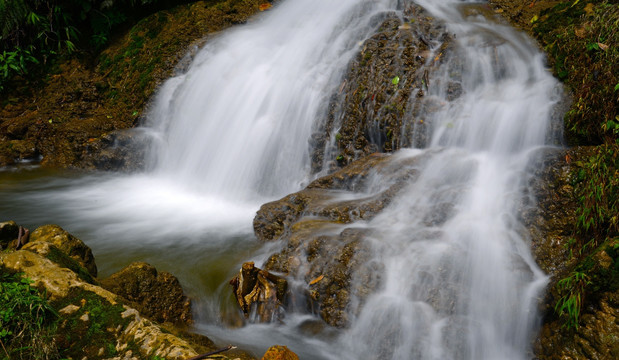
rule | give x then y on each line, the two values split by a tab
598	194
572	289
26	320
35	31
578	37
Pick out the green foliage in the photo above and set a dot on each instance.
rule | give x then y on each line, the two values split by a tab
597	189
572	290
32	32
580	38
26	320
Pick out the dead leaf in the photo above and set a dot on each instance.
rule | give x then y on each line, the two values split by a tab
316	280
603	46
589	9
580	32
265	6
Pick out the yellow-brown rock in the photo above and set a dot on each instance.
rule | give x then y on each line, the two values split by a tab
68	244
279	352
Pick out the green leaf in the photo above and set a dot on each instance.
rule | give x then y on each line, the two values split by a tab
395	80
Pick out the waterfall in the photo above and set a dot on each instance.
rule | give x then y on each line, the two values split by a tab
465	287
238	123
233	132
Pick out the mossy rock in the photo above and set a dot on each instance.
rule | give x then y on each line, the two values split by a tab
60	258
157	295
322	248
374	109
67	243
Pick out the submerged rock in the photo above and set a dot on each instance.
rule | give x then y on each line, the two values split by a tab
120	150
157	295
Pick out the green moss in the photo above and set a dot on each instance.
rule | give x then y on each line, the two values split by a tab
78	338
580	38
60	258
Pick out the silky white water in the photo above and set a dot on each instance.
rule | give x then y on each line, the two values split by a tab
233	132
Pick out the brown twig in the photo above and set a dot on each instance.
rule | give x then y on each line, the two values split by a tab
3	348
203	356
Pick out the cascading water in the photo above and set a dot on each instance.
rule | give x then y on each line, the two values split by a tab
233	132
464	287
244	112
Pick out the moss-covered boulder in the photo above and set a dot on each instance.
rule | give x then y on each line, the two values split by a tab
94	323
66	243
157	295
378	103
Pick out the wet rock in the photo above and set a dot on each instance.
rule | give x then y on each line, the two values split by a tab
157	295
259	289
60	258
279	352
9	231
549	212
377	106
597	335
548	208
92	317
323	249
121	150
275	218
67	243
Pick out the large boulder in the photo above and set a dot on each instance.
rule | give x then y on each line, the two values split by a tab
379	101
323	249
157	295
66	243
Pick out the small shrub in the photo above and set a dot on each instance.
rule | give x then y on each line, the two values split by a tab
26	320
572	290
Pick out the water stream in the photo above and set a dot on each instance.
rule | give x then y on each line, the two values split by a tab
232	133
